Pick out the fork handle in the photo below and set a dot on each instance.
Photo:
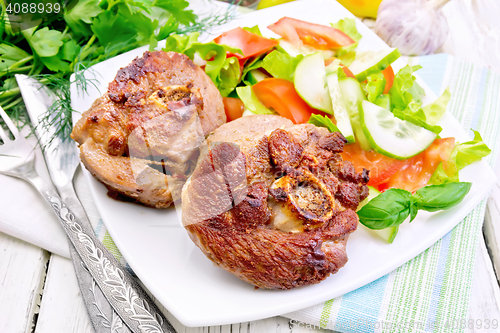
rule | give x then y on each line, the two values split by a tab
124	294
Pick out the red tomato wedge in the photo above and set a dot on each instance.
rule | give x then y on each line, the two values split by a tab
346	69
280	95
249	43
234	108
381	167
389	79
318	36
418	171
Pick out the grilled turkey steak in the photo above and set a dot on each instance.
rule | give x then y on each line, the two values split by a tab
141	137
272	202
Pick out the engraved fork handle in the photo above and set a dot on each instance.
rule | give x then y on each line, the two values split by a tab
124	294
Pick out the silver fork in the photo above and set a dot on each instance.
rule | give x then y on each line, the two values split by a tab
123	293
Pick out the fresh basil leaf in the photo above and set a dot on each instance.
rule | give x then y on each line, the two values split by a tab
438	197
323	121
281	65
435	110
388	209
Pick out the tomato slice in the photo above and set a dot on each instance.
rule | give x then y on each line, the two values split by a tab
418	171
346	69
381	167
318	36
280	95
234	108
389	79
249	43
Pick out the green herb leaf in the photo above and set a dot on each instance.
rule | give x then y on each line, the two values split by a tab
388	209
255	30
108	21
439	197
374	86
348	26
323	121
281	65
403	81
10	54
462	155
435	110
80	17
251	101
178	10
46	42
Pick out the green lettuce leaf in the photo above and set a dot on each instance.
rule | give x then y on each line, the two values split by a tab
281	65
374	86
347	54
255	30
348	26
462	155
180	44
417	92
435	110
323	121
403	81
251	101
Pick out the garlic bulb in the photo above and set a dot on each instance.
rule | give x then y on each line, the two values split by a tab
415	27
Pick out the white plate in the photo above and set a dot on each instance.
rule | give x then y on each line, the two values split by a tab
199	294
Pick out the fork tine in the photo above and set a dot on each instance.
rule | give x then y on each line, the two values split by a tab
13	129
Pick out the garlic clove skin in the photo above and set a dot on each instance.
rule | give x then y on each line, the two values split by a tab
415	27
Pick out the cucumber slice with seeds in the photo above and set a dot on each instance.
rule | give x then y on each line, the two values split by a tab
310	82
339	107
392	136
371	62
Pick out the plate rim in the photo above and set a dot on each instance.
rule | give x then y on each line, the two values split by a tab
186	319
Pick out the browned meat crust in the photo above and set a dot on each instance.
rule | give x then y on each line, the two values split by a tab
231	211
141	138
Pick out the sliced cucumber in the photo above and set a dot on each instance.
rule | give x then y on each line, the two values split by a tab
310	82
371	62
338	106
387	234
392	136
255	76
353	96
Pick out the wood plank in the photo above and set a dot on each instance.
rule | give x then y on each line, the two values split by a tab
62	308
22	273
485	297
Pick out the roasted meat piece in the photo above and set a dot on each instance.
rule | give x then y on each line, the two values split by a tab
141	138
272	202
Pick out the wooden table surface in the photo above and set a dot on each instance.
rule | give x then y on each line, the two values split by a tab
39	291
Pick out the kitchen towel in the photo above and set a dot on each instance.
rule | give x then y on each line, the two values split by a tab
426	294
